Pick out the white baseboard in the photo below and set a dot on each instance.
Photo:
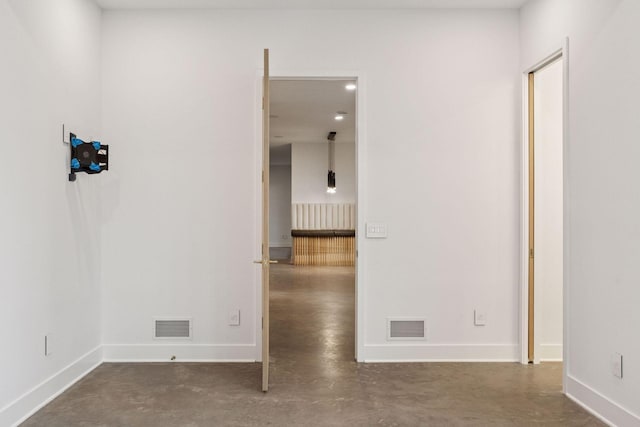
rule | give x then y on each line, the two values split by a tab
440	353
550	352
599	405
30	402
182	352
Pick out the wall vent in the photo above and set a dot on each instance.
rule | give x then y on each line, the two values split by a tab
172	328
406	329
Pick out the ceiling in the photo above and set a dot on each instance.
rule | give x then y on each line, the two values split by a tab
303	111
309	4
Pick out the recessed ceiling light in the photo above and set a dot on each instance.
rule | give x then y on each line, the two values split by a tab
339	117
350	86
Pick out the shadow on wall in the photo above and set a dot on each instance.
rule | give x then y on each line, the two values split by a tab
83	201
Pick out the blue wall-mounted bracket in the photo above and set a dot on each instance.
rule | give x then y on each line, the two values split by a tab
88	157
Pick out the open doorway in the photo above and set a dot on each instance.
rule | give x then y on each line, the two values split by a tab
544	216
312	224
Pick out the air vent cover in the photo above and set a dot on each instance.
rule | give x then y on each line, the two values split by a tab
406	329
172	328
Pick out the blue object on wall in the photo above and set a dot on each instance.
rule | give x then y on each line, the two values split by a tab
88	157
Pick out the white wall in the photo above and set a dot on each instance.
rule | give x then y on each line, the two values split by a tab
50	244
603	204
439	160
280	206
548	212
309	167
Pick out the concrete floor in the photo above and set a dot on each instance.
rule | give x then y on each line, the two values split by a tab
314	380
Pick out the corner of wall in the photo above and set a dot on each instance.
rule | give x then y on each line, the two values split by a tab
600	406
26	405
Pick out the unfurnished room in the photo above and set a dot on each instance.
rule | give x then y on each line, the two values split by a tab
319	212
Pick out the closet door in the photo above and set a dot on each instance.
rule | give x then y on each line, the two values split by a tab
265	261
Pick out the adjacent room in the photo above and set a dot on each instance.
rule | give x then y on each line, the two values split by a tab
312	212
405	212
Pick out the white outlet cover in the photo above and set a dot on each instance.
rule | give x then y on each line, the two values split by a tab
616	365
48	345
479	318
66	134
234	318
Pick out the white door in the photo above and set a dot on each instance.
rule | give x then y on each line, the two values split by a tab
545	213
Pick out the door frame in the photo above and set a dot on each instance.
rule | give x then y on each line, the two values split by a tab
277	73
561	52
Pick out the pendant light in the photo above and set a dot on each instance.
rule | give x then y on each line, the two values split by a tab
331	177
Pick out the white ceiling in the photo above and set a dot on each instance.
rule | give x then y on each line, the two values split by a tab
304	111
308	4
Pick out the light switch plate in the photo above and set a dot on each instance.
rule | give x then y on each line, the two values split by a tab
234	318
375	230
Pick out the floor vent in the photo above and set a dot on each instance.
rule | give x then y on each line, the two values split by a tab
172	328
406	329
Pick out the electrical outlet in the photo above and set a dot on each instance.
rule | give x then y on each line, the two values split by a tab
47	345
616	365
479	318
66	134
234	318
284	237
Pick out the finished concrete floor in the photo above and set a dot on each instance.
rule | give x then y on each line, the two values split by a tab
314	380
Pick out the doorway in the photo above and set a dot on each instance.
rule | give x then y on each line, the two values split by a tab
312	224
544	219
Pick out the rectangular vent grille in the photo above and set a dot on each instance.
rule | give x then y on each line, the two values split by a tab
173	328
406	329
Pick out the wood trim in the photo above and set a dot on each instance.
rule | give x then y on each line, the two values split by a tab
531	283
265	223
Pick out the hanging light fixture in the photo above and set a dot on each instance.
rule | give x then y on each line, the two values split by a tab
331	177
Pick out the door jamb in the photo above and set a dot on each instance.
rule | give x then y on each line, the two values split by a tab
359	78
561	52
